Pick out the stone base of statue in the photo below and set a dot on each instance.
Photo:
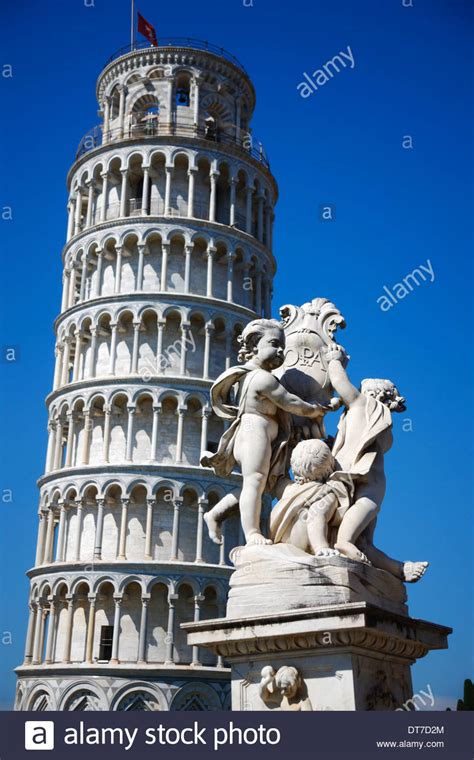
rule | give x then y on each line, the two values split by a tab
303	633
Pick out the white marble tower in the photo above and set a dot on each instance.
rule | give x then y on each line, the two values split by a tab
168	255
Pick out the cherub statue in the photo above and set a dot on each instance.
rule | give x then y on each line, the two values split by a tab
309	503
364	437
257	439
284	690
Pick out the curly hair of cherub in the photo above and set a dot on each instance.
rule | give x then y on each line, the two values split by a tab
312	460
383	390
252	333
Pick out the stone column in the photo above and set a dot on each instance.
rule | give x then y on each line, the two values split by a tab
209	329
57	366
123	529
90	628
65	293
121	110
105	196
69	623
79	514
206	413
169	170
197	615
213	196
141	263
66	354
123	193
93	353
72	286
165	247
179	437
136	346
161	324
143	629
87	437
202	503
58	446
150	503
154	432
70	439
248	211
175	537
41	539
191	175
51	446
30	633
146	190
105	128
115	640
188	249
98	281
230	276
53	606
61	532
233	188
99	529
82	287
129	445
113	347
169	104
211	250
49	537
107	422
197	82
170	630
90	204
77	356
185	327
38	635
70	220
77	220
118	269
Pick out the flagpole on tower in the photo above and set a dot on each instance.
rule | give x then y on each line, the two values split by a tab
132	26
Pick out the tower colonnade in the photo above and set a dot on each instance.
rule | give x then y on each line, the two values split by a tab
167	258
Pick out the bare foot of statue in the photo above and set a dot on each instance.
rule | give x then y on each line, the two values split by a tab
352	552
326	551
255	539
413	571
213	527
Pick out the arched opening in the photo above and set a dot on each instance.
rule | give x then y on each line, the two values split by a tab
184	614
130	622
157	624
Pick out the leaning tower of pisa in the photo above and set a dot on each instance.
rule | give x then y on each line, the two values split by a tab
167	257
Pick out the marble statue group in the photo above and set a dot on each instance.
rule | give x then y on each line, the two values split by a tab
326	493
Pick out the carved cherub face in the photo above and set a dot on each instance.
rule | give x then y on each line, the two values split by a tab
386	392
270	348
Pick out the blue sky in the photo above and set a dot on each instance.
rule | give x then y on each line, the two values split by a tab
395	208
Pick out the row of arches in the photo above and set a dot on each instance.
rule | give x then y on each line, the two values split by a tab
86	694
144	343
137	524
114	623
131	428
152	264
178	184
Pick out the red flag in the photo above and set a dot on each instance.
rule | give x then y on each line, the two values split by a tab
147	30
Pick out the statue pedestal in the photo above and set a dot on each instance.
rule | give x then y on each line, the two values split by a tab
352	656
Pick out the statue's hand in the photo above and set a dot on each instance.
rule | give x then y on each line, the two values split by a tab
336	353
